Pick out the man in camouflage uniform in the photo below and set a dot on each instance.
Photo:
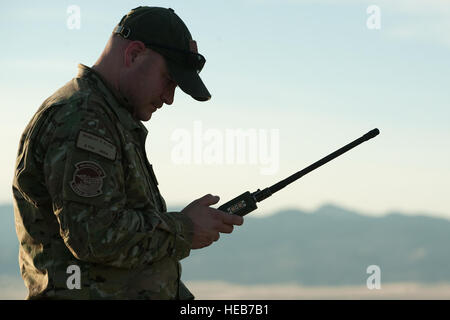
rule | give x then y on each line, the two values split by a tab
85	194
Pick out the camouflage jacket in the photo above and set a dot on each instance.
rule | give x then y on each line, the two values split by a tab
85	195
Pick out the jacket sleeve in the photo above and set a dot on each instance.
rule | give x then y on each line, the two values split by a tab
85	177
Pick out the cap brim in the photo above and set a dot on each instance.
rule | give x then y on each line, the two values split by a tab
189	81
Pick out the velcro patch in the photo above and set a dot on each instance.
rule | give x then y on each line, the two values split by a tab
87	180
91	142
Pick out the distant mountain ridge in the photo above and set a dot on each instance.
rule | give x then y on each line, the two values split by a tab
330	246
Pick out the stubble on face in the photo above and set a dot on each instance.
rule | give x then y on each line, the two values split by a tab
142	84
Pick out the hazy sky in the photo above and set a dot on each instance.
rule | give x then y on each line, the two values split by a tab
303	77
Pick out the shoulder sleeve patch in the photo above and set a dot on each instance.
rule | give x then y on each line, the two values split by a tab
91	142
87	179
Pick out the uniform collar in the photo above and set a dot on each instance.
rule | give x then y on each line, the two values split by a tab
115	99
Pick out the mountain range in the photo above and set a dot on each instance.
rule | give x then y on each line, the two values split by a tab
329	246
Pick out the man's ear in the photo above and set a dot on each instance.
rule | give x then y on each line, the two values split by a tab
132	51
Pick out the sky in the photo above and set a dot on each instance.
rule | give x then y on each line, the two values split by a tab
298	78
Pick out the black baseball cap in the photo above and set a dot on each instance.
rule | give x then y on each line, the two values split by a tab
163	31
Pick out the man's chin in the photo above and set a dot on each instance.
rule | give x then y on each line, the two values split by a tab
142	117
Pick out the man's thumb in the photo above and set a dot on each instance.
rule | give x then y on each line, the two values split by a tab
208	200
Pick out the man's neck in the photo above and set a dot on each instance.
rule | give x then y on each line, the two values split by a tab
111	79
107	73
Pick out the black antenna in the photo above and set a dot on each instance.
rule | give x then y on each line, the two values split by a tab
246	202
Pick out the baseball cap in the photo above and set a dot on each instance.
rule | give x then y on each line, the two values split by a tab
163	31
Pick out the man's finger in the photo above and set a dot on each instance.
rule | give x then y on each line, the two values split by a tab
226	228
208	200
232	219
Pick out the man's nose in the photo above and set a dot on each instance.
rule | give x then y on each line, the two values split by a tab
169	94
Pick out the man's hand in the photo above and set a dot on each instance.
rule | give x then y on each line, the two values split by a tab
208	222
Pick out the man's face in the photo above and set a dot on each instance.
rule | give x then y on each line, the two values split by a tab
146	84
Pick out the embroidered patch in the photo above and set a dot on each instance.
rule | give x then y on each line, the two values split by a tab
91	142
87	179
